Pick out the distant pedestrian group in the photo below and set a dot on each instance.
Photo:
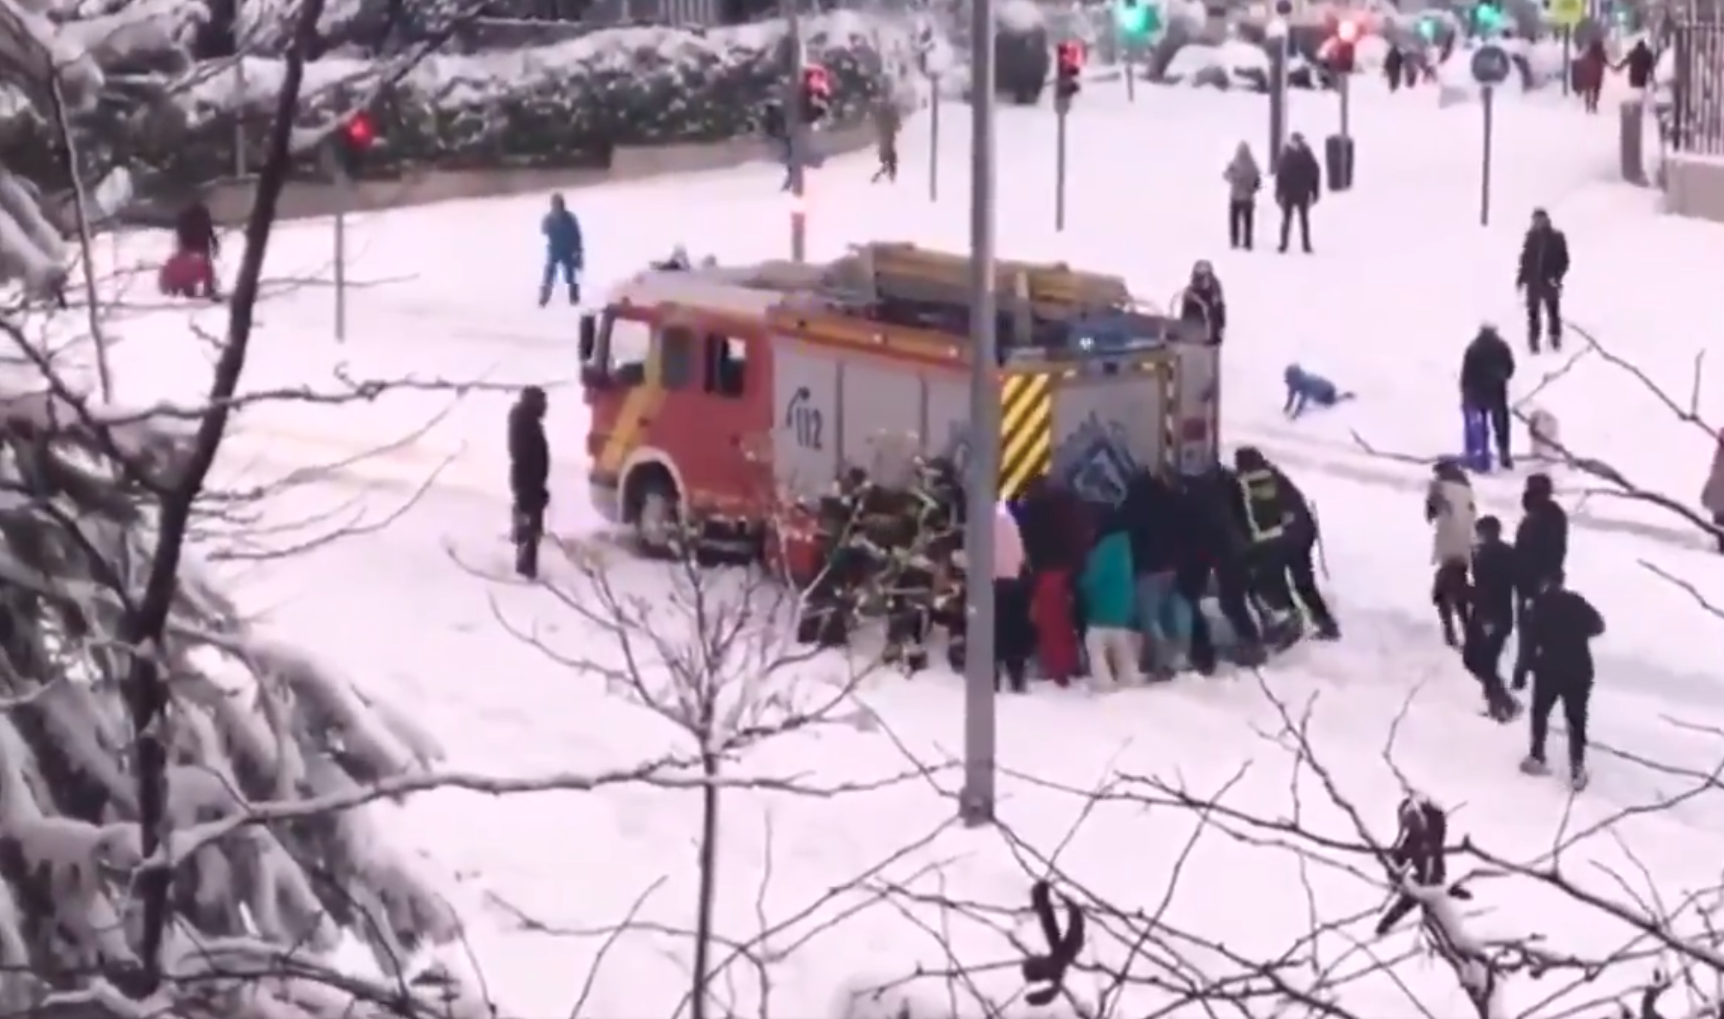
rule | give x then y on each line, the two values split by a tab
1298	186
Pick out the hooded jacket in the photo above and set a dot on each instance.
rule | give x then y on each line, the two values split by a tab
1452	514
1244	178
1108	585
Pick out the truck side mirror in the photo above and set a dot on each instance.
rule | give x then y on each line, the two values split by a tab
589	338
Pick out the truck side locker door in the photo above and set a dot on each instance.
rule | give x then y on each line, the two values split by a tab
946	414
1197	419
882	405
806	420
1107	426
733	378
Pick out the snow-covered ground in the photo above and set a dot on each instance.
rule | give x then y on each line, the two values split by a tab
1403	276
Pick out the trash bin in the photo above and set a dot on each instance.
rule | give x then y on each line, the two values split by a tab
1338	162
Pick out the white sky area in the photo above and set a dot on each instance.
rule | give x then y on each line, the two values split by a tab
1403	276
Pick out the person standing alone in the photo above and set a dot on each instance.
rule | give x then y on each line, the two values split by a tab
1543	265
565	253
529	478
1298	183
1244	180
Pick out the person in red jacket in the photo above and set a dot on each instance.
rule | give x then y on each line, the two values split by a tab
1056	538
191	270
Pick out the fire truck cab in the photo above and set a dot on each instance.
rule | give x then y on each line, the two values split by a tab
727	394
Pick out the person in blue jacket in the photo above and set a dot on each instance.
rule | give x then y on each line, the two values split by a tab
563	251
1305	387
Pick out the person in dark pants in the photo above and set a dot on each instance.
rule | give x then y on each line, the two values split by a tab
1279	518
1486	368
1244	180
1563	625
529	478
1298	185
1490	617
1215	551
1540	553
1452	514
1543	265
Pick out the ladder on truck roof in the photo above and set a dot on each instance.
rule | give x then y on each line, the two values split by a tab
901	284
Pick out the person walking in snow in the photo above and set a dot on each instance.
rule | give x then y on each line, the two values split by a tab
1490	617
565	254
529	478
1561	629
1298	185
1543	266
1450	510
886	125
1712	493
1244	180
1108	589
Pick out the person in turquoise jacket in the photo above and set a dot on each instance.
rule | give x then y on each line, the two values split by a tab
1108	587
564	252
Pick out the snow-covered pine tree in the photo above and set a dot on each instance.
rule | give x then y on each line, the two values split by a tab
249	721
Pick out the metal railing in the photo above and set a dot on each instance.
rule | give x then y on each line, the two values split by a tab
1696	122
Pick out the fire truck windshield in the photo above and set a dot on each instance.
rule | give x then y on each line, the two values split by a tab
625	347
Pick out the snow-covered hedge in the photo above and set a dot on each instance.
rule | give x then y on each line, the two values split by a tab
567	103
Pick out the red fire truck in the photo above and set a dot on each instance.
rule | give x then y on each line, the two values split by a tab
729	394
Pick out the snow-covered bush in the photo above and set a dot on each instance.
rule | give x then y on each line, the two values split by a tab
247	722
564	104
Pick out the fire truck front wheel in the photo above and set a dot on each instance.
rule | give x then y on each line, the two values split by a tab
652	507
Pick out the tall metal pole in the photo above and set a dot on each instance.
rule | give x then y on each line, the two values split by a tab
346	187
1485	99
1063	107
1277	91
239	118
934	140
976	800
795	132
1567	57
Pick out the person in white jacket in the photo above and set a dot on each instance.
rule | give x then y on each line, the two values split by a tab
1452	514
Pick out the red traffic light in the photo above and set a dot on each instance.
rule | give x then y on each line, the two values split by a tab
1070	57
1347	32
360	131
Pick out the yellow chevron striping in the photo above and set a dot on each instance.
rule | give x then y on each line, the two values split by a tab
1026	431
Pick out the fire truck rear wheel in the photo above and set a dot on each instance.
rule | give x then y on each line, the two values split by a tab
653	510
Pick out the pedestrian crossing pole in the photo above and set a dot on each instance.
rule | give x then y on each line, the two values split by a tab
976	800
795	133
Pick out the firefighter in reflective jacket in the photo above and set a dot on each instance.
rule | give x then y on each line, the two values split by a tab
830	604
1283	536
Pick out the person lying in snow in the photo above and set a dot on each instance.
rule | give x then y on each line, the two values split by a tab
1305	387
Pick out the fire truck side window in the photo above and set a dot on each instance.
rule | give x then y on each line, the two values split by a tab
678	353
724	365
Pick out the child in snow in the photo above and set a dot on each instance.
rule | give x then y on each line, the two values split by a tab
1304	388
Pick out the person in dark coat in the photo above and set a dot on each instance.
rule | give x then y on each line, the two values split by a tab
1283	531
1540	553
1393	62
1214	547
1203	302
1157	521
529	477
1641	63
1298	185
1543	265
1486	368
1562	626
1490	617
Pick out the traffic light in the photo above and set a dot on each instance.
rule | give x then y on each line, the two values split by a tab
1341	47
1069	60
816	93
1428	26
1138	20
350	144
1488	16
